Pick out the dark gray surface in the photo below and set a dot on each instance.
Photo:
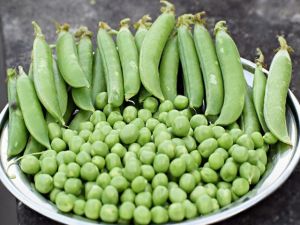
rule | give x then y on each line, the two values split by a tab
252	23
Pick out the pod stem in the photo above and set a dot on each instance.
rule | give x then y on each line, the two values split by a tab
37	30
167	7
200	18
125	23
61	27
11	73
144	22
283	45
185	20
221	25
260	60
83	31
21	70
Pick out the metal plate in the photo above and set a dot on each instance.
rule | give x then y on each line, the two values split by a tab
282	161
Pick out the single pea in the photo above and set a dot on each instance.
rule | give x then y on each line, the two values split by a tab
162	117
92	208
211	189
218	131
176	212
144	114
172	114
177	167
87	147
261	167
240	186
225	141
142	215
110	195
99	162
126	210
216	161
147	157
75	143
202	133
129	113
87	125
79	206
144	198
208	175
262	156
197	175
97	135
89	172
204	204
269	138
240	154
118	125
109	108
178	142
43	183
151	145
138	184
228	171
54	131
138	122
69	157
144	136
161	163
49	165
172	184
59	180
101	100
223	152
160	195
180	150
159	128
58	144
119	149
181	102
167	147
129	134
198	120
166	106
83	157
190	163
48	153
53	194
190	209
109	213
161	137
255	175
246	141
197	192
187	182
132	170
112	138
257	139
235	133
177	194
249	172
190	143
180	126
151	124
97	117
99	148
73	186
67	134
73	170
147	172
30	165
114	117
160	179
134	147
103	180
85	134
207	147
223	184
129	156
128	196
187	113
95	192
64	202
112	160
159	215
105	129
151	104
120	183
63	168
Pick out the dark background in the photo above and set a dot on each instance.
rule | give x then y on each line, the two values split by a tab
252	23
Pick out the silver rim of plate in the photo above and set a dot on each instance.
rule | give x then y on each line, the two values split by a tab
282	161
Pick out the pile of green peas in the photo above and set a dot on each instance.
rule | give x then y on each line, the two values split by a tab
153	163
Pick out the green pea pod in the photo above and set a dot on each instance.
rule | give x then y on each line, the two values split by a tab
129	58
81	116
98	84
212	77
82	96
233	76
277	86
112	65
17	132
33	146
43	75
259	87
30	72
67	59
32	109
249	119
61	88
70	110
152	48
168	69
189	60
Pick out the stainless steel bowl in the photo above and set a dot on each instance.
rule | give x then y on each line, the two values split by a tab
282	161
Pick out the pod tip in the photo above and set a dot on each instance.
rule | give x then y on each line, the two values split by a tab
221	25
283	44
185	20
125	23
167	7
200	17
11	72
37	29
103	25
83	31
61	27
145	22
260	57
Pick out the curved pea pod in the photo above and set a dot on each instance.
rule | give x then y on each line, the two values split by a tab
33	146
152	48
98	84
32	109
214	93
82	96
142	26
249	119
168	68
259	87
61	88
43	75
233	76
129	58
192	76
30	71
276	92
81	116
112	65
67	59
70	110
17	132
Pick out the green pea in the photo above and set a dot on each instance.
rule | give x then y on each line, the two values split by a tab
30	165
58	144
104	128
166	106
196	156
73	186
161	163
99	162
109	213
83	157
171	116
257	139
198	120
119	149
110	195
54	131
188	113
223	152
163	117
103	180
159	215
67	134
97	135
160	195
180	150
167	147
228	171
120	183
95	192
181	102
218	131
49	165
261	167
126	210
235	133
87	125
211	189
181	126
164	135
159	128
177	167
138	122
53	194
43	183
118	125
239	154
89	172
204	204
197	192
112	160
151	124
197	175
176	212
177	194
134	147
249	172
144	114
144	199
190	209
79	206
189	162
269	138
144	136
86	147
112	138
246	141
109	108
63	168
85	134
190	143
240	186
216	161
73	170
187	182
207	147
97	117
59	180
48	153
129	134
138	184
225	141
223	184
208	175
114	117
64	202
147	157
75	143
99	148
160	179
262	156
101	100
142	215
132	170
92	208
151	104
203	132
128	195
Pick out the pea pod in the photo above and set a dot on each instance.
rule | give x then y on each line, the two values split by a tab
129	58
142	27
81	116
32	109
112	65
67	59
259	87
30	71
249	119
214	93
82	96
70	110
233	76
33	146
43	75
152	49
168	68
276	92
98	84
189	60
17	132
